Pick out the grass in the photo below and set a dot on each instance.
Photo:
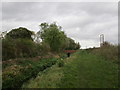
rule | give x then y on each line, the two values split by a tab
109	52
15	75
90	71
49	78
81	70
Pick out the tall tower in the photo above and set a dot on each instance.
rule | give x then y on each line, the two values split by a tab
101	40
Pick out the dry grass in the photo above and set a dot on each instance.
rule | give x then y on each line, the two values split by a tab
109	52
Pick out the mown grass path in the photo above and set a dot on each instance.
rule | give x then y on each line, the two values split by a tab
81	70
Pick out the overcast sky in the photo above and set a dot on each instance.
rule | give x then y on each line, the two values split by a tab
82	21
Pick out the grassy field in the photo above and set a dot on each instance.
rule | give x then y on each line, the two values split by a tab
81	70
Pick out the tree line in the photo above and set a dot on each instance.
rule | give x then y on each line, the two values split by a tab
21	42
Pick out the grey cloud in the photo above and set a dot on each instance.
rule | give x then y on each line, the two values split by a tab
83	22
28	11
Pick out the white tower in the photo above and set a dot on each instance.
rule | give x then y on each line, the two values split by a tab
101	40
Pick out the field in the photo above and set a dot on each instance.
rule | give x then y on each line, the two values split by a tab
39	66
59	45
81	70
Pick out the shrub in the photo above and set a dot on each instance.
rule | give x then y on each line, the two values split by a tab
19	48
18	74
109	52
60	63
45	48
8	49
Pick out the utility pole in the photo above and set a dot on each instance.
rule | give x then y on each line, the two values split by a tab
101	40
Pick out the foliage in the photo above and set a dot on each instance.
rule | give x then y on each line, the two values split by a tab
81	70
45	48
49	78
18	43
2	34
71	45
15	75
60	63
36	37
52	35
20	33
106	44
108	51
18	48
8	49
21	42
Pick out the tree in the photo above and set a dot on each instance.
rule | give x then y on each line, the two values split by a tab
18	43
106	44
52	35
20	32
77	46
2	34
36	37
71	45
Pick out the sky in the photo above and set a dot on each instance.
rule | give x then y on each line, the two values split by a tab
81	21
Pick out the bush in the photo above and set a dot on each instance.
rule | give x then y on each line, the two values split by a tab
18	74
8	49
109	52
45	48
63	55
19	48
60	63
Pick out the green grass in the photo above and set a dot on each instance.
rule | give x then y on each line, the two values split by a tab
90	71
15	75
81	70
49	78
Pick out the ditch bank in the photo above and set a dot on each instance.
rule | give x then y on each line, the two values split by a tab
15	75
